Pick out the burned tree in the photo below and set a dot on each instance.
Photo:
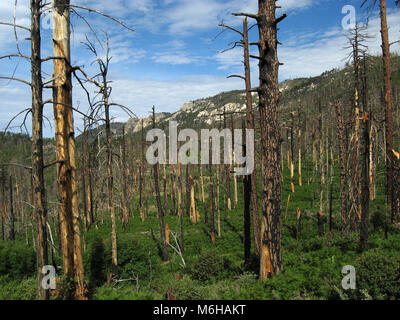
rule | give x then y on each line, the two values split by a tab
125	209
65	144
268	92
387	87
164	247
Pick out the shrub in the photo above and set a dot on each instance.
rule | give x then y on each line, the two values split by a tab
378	220
136	257
17	260
209	264
97	264
133	257
17	289
187	289
123	293
378	274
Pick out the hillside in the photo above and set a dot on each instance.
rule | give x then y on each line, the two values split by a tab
331	85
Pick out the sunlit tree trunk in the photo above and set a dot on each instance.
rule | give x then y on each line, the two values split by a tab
65	145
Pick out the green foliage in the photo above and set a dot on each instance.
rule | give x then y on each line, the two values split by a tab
17	261
134	258
189	289
124	293
378	219
96	265
17	289
208	265
378	273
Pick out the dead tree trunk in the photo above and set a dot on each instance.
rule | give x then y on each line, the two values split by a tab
320	214
212	206
12	217
110	177
65	144
164	247
227	174
299	216
165	194
141	174
87	198
365	146
125	209
343	168
246	217
270	253
250	126
38	188
396	194
187	191
3	204
192	201
231	169
180	207
387	86
292	152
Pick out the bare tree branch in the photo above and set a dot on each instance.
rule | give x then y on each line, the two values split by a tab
15	25
230	28
236	76
243	14
15	56
98	12
16	116
16	79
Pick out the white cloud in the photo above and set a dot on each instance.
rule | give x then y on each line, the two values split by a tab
185	17
174	58
305	58
174	53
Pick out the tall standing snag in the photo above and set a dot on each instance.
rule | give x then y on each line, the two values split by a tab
250	126
124	182
164	247
270	253
65	145
343	168
387	86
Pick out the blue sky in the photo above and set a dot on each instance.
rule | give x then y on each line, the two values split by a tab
174	56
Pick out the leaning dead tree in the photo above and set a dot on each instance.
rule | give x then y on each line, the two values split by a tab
268	92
